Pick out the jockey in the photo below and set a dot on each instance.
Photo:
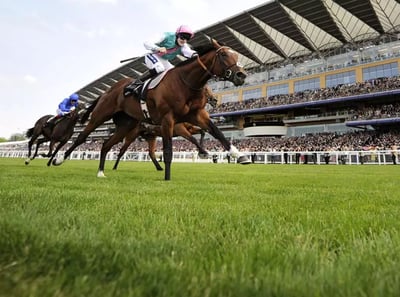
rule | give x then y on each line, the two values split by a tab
65	107
167	48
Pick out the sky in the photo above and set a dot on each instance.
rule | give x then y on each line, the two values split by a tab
50	49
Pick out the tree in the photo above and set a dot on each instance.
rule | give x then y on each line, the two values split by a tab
17	137
2	139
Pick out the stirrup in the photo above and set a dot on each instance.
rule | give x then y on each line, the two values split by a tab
137	88
133	88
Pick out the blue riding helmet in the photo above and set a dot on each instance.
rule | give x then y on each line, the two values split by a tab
74	97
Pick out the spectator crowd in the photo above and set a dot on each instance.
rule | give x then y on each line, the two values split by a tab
366	87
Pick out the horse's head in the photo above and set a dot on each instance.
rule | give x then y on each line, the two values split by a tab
77	112
225	64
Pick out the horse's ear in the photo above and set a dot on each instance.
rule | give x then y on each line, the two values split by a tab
215	43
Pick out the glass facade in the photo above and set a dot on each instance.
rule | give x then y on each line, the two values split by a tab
385	70
307	84
252	94
343	78
231	97
281	89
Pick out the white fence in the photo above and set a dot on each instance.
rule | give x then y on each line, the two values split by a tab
383	157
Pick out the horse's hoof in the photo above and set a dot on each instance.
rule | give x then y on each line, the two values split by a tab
243	160
100	174
57	162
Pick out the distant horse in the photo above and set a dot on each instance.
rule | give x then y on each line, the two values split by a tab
178	98
60	133
186	130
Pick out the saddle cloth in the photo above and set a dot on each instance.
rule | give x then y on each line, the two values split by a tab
148	85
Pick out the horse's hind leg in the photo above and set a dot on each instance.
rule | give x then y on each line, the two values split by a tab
30	158
121	153
30	144
129	138
118	135
152	152
202	152
81	139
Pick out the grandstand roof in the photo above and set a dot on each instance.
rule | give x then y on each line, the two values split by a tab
282	30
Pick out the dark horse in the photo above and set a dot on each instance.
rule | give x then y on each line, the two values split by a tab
178	98
60	133
185	130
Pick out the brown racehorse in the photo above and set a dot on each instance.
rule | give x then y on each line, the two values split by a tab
186	130
179	97
60	133
149	133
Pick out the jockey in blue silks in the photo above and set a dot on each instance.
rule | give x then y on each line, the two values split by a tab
167	48
65	107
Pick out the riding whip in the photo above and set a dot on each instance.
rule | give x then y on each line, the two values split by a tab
130	59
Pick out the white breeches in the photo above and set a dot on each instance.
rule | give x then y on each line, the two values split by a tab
156	62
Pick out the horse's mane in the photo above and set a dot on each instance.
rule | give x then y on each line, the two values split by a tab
201	50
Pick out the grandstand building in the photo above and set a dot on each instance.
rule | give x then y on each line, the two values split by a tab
315	66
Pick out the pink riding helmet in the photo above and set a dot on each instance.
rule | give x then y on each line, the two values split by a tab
185	29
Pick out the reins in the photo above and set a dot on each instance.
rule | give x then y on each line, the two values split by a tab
212	65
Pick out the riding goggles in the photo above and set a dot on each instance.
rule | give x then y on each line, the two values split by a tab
184	36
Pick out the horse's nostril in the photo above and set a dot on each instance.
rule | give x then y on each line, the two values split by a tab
241	75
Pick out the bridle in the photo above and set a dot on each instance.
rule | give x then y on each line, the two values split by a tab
228	72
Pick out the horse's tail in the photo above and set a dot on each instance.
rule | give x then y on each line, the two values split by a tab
29	133
89	110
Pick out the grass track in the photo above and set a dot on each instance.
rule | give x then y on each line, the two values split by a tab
213	230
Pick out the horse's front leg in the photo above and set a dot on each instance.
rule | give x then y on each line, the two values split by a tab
50	152
167	129
203	120
59	146
233	151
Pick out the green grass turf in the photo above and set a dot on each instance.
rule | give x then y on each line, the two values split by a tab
213	230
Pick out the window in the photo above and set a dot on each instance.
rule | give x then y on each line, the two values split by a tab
252	94
386	70
334	80
307	84
231	97
281	89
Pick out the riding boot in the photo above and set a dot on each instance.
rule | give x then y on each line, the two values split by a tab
137	84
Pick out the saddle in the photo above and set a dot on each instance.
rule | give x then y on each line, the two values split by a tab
148	84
